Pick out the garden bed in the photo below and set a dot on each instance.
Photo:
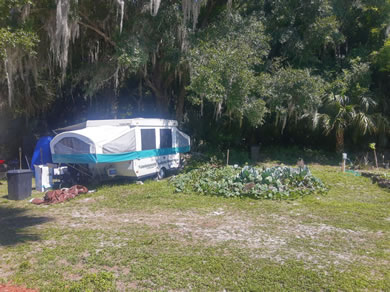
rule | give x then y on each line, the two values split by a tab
279	182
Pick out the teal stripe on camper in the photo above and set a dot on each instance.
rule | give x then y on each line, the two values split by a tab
106	158
74	158
111	158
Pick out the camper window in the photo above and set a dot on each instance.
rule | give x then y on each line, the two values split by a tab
148	139
165	138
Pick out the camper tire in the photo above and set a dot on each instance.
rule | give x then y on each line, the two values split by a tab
162	173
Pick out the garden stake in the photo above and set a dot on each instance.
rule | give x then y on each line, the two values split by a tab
227	157
20	157
372	146
343	162
28	164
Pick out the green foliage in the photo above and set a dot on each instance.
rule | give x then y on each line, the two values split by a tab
294	94
303	31
132	56
100	282
14	35
372	146
20	38
11	7
247	69
348	103
223	62
24	266
382	58
274	183
255	111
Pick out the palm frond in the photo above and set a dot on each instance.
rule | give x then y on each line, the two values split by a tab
382	123
326	124
366	102
364	123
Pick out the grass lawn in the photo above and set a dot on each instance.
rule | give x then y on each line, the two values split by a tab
146	237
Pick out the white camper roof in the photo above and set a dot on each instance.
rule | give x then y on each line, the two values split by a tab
138	122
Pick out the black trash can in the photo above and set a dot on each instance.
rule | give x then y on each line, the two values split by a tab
19	184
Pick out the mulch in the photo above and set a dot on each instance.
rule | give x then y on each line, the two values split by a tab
62	195
11	288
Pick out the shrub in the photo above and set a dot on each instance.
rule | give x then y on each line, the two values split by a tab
261	183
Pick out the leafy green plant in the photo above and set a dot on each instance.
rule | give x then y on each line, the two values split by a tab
103	281
261	183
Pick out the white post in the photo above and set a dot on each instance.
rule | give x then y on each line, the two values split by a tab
343	162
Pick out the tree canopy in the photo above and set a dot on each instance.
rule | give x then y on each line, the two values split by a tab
228	70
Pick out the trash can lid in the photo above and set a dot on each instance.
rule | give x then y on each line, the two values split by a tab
18	171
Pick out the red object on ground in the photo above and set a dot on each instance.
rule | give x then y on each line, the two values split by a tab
62	195
2	162
10	288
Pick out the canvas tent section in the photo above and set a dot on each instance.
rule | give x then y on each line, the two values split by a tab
86	145
124	143
182	141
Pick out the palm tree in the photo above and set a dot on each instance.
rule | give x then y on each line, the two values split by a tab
342	114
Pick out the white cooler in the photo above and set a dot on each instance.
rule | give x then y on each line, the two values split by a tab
43	177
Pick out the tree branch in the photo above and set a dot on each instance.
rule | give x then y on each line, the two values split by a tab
99	32
150	84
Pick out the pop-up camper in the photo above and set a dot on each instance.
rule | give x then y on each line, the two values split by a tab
124	147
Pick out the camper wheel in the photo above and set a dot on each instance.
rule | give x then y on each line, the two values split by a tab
162	173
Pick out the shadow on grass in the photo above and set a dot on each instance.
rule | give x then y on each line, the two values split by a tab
117	181
13	222
122	181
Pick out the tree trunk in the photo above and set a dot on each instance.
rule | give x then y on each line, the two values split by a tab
140	98
113	103
162	103
339	140
114	106
160	82
181	97
180	104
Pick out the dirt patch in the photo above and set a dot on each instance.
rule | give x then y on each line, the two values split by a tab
274	237
6	272
315	244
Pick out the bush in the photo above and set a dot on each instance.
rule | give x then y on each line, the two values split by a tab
261	183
